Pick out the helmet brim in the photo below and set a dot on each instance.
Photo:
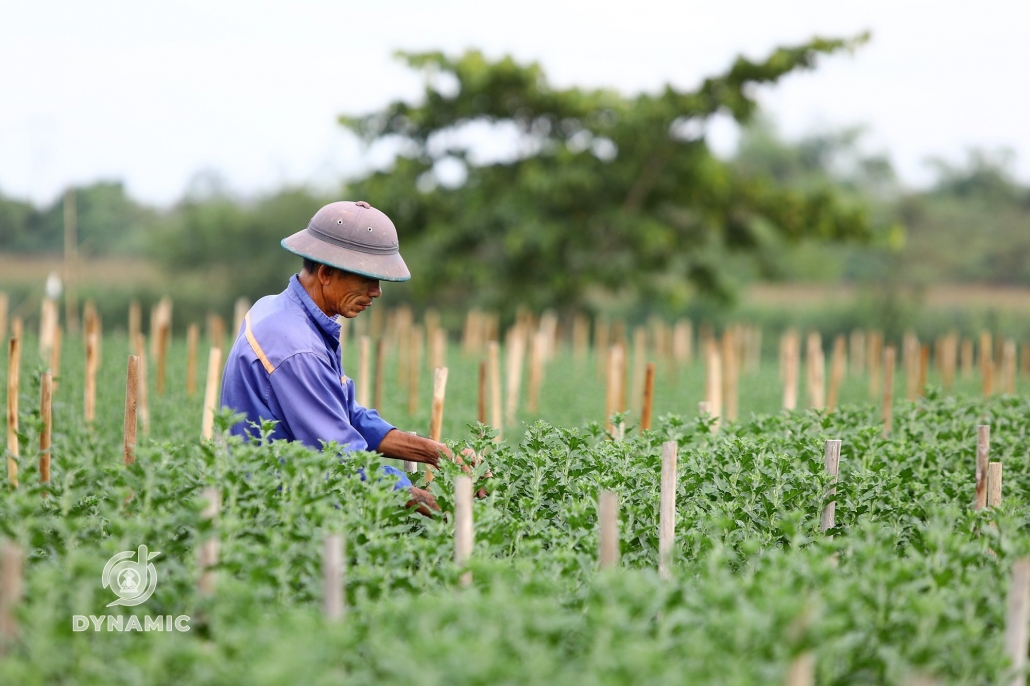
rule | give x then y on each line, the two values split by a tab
388	267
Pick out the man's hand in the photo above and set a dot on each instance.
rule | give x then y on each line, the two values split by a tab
423	502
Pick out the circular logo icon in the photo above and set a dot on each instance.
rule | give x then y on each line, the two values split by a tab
132	581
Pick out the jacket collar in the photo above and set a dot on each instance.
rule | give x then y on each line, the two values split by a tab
329	328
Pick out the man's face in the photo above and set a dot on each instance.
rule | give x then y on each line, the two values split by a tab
350	294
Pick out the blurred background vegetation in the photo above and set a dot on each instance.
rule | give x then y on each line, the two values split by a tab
600	202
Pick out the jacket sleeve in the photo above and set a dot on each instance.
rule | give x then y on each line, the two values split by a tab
315	405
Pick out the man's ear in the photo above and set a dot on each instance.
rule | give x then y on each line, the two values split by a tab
325	274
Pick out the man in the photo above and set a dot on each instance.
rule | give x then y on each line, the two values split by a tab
285	364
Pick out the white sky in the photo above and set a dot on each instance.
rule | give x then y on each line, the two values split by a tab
152	93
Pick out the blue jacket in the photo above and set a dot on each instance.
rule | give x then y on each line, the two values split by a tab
285	365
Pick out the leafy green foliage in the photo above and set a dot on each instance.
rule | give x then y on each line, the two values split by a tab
911	581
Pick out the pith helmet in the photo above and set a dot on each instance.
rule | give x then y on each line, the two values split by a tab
354	237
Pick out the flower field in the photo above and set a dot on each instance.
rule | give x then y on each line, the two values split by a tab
910	583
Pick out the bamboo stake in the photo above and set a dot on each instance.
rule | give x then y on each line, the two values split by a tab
986	364
90	405
463	533
831	460
192	338
924	365
801	671
13	372
537	355
439	393
791	361
713	382
46	414
875	358
47	324
1008	367
208	554
667	509
415	368
966	358
439	347
10	591
144	404
816	376
17	328
888	389
481	397
993	484
648	402
436	412
910	364
214	366
164	334
1016	621
639	364
608	521
983	457
55	357
135	321
612	388
857	349
377	386
364	382
730	375
837	363
516	351
131	407
334	600
493	351
239	314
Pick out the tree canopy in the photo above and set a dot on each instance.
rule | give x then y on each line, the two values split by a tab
601	196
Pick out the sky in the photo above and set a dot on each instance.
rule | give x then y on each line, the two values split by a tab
155	94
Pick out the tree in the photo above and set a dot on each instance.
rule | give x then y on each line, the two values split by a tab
601	196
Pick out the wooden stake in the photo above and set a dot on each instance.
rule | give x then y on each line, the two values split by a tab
924	367
1016	621
415	370
481	397
334	604
639	364
10	591
463	534
46	432
192	338
713	381
983	457
888	389
801	671
516	351
377	387
1008	367
131	408
966	359
994	484
730	359
439	347
364	382
831	460
837	370
439	393
648	402
55	357
667	509
613	386
214	367
537	355
144	405
816	376
90	388
791	361
608	521
875	359
135	321
493	352
164	335
208	554
239	313
13	372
